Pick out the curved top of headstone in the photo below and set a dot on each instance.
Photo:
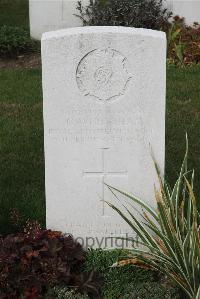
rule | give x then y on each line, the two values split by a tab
103	29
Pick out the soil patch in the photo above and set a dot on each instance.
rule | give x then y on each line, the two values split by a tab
27	61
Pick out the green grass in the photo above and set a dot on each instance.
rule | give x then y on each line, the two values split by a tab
21	146
127	282
14	12
183	115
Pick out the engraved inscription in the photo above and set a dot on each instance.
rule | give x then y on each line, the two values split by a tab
93	125
103	74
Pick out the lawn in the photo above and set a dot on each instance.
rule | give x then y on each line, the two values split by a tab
21	147
183	115
14	12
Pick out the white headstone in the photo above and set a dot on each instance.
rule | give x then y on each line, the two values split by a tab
104	104
189	9
48	15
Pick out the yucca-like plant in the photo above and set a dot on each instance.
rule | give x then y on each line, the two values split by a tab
170	234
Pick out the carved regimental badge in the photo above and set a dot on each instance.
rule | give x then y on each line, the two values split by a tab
103	73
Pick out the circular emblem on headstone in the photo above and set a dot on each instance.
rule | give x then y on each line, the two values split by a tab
103	73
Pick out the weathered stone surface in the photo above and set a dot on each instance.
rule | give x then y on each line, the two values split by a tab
103	74
104	104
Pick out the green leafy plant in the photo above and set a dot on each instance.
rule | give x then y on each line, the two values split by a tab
64	293
170	235
128	282
15	41
36	260
179	52
132	13
175	45
183	42
153	290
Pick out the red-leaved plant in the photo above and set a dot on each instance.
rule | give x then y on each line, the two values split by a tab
33	261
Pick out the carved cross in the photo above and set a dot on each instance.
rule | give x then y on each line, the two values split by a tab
102	174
